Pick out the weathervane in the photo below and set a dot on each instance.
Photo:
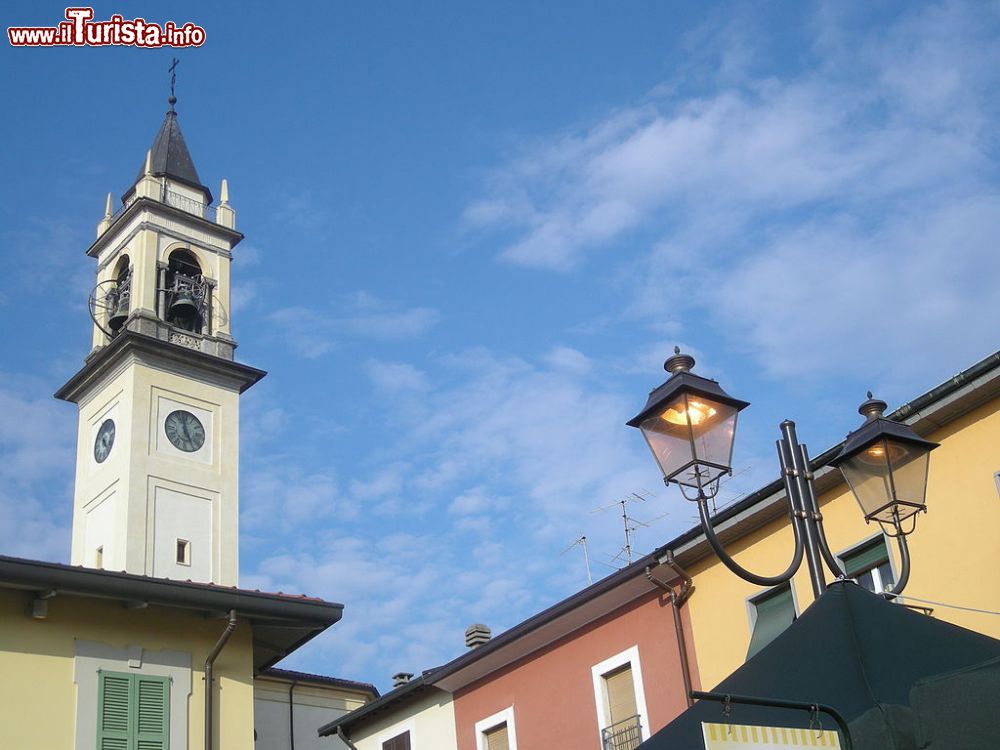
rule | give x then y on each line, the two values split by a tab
173	81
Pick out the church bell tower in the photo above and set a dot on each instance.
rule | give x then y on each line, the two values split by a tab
157	465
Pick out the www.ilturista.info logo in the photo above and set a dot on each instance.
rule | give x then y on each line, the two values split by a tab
79	30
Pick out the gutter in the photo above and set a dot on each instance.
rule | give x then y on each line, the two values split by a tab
345	740
209	664
677	599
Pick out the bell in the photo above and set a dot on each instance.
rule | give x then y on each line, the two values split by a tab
119	315
184	305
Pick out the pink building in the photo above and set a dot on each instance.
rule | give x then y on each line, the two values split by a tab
602	669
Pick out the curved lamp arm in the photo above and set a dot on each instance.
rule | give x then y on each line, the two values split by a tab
735	567
904	562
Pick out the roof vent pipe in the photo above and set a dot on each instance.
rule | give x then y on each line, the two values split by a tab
476	635
401	678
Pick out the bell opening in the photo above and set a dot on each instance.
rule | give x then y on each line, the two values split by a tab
185	292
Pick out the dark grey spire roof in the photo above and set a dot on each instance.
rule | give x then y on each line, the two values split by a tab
171	158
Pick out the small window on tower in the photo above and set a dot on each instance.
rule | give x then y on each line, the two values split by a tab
99	558
183	552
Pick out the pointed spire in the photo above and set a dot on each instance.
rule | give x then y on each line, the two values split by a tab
169	157
224	192
107	207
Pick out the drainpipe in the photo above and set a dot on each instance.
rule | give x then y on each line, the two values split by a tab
677	599
344	739
291	716
209	663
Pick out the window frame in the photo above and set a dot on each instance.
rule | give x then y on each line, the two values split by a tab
861	546
754	599
505	716
629	657
91	657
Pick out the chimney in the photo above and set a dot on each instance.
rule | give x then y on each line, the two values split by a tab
401	678
476	635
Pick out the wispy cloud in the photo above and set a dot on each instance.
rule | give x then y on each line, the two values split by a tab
36	471
852	200
313	332
491	461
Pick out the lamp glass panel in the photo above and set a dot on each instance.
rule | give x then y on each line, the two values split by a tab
686	433
909	474
885	466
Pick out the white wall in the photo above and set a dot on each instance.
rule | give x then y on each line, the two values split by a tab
315	705
430	721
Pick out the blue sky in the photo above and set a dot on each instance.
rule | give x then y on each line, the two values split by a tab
474	232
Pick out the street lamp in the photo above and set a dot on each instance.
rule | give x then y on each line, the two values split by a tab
689	423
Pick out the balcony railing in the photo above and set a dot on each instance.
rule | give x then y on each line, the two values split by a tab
622	735
188	205
184	203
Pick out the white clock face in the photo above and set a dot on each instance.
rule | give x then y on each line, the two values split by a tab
184	431
104	441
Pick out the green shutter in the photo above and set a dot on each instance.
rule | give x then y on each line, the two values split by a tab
153	713
113	699
133	712
865	559
775	612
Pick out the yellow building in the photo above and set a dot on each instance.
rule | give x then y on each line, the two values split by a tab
955	549
115	661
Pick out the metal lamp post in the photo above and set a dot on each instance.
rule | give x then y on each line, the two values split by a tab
689	423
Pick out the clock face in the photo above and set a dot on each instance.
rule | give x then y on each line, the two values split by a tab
105	439
184	431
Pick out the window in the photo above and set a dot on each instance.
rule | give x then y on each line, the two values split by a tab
497	732
183	552
496	738
621	703
624	730
770	613
132	712
869	565
399	742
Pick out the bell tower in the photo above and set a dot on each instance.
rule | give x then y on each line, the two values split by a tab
157	470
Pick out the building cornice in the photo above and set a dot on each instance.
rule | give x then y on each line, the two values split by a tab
156	352
281	623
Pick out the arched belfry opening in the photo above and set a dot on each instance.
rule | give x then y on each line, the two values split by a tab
187	292
120	295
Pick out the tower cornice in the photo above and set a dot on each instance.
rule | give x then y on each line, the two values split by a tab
129	344
139	204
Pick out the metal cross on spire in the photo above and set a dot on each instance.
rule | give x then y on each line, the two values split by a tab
173	81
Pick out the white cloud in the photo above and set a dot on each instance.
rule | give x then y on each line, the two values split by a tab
393	377
852	201
494	467
312	332
37	450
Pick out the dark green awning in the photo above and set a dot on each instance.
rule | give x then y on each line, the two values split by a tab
862	655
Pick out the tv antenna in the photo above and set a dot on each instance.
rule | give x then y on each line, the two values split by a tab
629	524
581	542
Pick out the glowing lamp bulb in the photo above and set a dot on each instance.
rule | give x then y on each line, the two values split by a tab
695	414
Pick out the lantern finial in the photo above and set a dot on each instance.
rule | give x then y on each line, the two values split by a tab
679	362
873	408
